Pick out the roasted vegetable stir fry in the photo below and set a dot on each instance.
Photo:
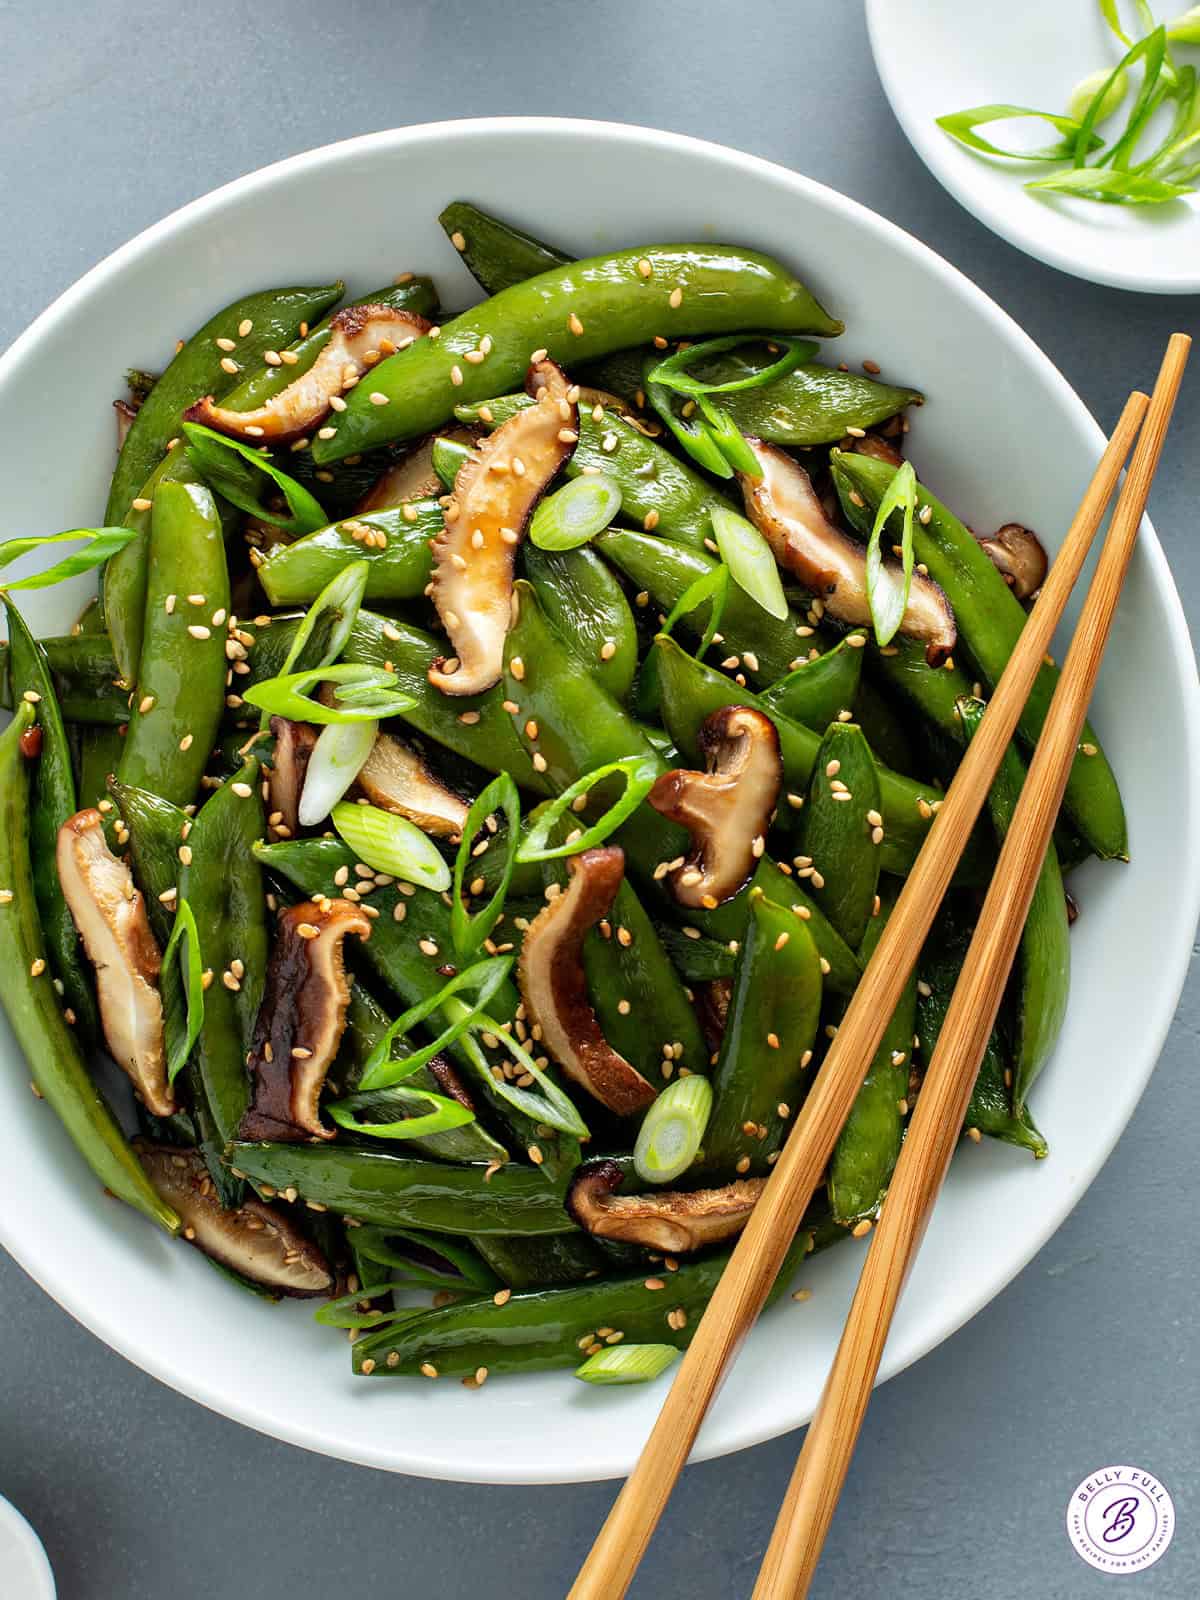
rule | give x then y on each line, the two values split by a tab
488	767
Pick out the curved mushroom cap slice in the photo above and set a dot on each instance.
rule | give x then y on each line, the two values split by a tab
254	1238
125	413
300	1021
294	745
395	778
494	495
359	337
1017	554
786	510
671	1221
727	808
554	987
111	917
413	476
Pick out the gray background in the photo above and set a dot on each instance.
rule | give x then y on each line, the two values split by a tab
118	111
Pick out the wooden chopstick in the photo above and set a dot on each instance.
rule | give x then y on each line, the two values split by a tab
759	1253
933	1132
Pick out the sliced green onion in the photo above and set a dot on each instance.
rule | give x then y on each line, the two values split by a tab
391	844
1115	187
712	585
639	773
236	471
672	374
575	513
442	1115
469	930
673	1129
1153	48
690	434
961	125
337	604
1110	89
628	1363
102	543
485	978
1186	28
887	595
337	759
181	1033
372	1244
446	456
346	1310
551	1106
751	564
1182	132
728	437
362	692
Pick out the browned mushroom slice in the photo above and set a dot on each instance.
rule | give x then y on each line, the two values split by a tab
254	1238
872	445
111	917
294	745
1017	554
359	337
726	808
555	990
786	510
413	477
494	494
125	414
670	1221
394	778
713	1000
300	1021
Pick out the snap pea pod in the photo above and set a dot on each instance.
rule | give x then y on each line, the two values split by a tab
542	1260
180	691
890	738
496	254
83	670
817	690
125	574
405	1192
156	828
100	754
868	1146
587	608
197	369
990	620
840	832
52	801
576	312
774	1012
990	1111
697	960
31	1003
294	574
1042	974
447	456
810	405
545	1328
656	487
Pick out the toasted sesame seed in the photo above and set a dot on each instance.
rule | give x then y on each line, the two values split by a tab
517	667
675	298
974	1135
456	375
574	324
307	931
199	631
37	968
608	649
645	268
502	1297
427	947
228	364
861	1229
825	967
654	1283
141	503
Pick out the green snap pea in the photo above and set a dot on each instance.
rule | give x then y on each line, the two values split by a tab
398	569
774	1012
990	620
810	405
274	316
496	254
576	312
126	574
818	689
543	1260
83	670
100	754
156	828
587	608
180	692
888	735
696	959
31	1003
840	829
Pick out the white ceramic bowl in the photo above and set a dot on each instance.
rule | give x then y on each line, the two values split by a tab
939	56
1003	437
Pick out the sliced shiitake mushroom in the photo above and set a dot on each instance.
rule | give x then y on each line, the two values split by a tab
359	337
110	913
494	494
727	808
294	745
671	1221
1017	554
125	414
554	987
394	778
784	507
872	445
300	1021
412	477
254	1239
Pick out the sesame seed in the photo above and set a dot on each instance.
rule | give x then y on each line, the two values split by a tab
654	1283
645	268
574	324
675	298
826	969
456	375
428	1369
974	1135
37	967
861	1229
377	398
141	503
502	1297
608	649
517	667
307	931
185	854
228	364
199	631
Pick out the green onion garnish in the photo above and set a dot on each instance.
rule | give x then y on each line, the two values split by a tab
102	543
575	513
447	455
1107	88
237	471
712	585
391	844
183	947
371	1243
551	1106
394	1103
1186	28
961	126
337	759
672	1130
362	693
639	773
329	621
887	595
628	1363
484	977
672	371
469	929
751	564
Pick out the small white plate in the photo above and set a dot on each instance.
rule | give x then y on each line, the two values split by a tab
938	56
24	1570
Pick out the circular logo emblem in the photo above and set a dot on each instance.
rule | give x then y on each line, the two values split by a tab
1121	1519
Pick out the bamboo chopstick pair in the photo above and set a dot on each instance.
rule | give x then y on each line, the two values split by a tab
812	1495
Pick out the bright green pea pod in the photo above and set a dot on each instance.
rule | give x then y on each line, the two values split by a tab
447	456
294	574
496	254
817	690
1041	976
774	1012
156	829
180	693
274	316
126	574
840	830
576	312
868	1147
100	754
52	801
29	998
890	740
697	960
83	670
990	1110
542	1261
655	485
990	620
404	1192
587	608
810	405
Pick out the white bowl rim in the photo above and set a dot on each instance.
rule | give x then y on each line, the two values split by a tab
55	1276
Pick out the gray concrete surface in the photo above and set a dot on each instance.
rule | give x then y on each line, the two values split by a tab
115	113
